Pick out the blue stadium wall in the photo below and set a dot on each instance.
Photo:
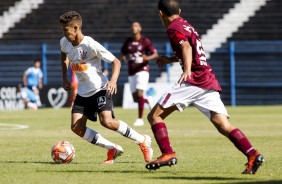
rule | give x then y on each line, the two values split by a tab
108	22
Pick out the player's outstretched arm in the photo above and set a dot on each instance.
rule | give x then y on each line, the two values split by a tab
24	80
65	64
153	56
123	58
112	84
40	85
163	60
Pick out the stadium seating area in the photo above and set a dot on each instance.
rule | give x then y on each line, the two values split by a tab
109	21
266	25
4	5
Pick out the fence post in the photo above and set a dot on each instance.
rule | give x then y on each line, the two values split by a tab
167	66
232	74
44	63
106	64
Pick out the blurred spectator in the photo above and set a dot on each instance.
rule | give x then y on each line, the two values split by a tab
32	79
105	68
29	98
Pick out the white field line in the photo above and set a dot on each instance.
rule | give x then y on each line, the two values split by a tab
6	126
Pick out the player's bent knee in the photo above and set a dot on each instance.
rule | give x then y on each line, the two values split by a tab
109	123
222	127
150	118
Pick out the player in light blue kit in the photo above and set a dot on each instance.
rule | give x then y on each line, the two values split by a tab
28	96
32	79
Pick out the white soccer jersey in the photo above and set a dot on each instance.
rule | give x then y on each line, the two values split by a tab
85	60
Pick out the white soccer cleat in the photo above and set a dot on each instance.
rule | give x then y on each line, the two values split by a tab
146	148
113	154
138	122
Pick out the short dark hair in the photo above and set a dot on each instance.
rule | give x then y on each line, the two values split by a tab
70	17
36	60
169	7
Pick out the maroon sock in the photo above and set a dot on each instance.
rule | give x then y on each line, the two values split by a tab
161	136
141	102
145	100
241	142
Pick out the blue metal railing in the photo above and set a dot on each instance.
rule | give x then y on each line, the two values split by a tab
106	64
232	74
255	48
233	79
167	67
44	64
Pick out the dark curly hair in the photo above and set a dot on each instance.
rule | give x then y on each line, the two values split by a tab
70	17
169	7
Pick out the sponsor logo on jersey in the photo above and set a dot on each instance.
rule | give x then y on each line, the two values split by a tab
81	67
135	43
140	47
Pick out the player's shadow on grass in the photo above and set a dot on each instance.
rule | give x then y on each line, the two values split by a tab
53	163
33	162
261	182
221	179
99	171
25	162
215	178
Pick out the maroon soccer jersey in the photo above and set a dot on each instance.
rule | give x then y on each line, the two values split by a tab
202	75
134	50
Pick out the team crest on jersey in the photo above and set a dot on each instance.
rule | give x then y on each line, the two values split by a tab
139	47
82	54
101	101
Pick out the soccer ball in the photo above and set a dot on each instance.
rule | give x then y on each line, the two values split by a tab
63	152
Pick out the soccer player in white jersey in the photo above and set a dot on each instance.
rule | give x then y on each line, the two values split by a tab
84	55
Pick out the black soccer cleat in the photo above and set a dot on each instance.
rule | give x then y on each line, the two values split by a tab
167	159
255	161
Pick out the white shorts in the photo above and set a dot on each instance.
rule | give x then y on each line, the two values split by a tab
186	94
138	81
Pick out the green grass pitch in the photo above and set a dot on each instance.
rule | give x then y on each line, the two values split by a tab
204	156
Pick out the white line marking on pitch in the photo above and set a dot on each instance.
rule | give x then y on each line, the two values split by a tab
5	126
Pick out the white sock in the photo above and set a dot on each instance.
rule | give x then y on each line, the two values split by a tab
127	131
90	135
95	138
31	105
104	143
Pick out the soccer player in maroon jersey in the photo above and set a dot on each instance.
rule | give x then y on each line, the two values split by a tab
197	86
139	51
